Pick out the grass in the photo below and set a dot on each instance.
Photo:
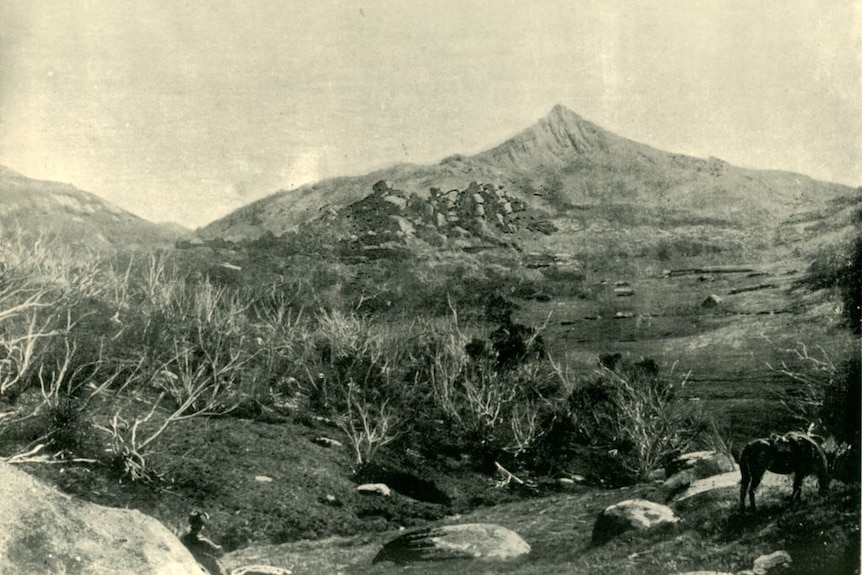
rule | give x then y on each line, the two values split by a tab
725	350
221	357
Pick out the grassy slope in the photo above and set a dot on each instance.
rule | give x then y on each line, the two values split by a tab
76	217
217	464
268	482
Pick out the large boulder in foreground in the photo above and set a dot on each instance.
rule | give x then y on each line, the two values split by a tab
45	531
632	514
468	541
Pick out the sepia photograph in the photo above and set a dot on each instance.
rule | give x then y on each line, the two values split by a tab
376	287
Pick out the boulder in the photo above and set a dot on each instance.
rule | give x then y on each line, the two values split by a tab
402	482
45	531
777	562
688	468
677	483
728	480
327	442
702	463
632	514
374	489
467	541
711	300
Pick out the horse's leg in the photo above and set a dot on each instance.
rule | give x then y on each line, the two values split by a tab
796	496
743	484
755	482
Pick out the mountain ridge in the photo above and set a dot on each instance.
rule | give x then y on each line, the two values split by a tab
562	164
74	216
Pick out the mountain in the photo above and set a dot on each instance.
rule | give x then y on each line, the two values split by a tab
73	216
577	186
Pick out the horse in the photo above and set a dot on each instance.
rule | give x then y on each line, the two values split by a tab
795	452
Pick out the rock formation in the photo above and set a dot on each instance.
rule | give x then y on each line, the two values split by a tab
45	531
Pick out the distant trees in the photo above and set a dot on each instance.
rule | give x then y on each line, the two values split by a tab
840	269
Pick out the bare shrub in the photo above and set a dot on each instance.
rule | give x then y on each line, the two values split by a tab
812	372
353	378
636	414
367	425
824	398
133	441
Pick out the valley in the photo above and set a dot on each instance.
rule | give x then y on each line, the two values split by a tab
569	307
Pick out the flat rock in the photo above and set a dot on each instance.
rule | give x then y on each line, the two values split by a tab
327	442
728	480
467	541
776	562
701	463
374	489
632	514
260	570
46	532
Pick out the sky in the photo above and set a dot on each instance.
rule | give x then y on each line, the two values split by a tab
184	111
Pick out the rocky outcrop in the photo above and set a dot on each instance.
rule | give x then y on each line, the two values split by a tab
632	514
702	463
468	541
728	480
389	214
688	468
45	531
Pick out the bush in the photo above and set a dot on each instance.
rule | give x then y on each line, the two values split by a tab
635	414
840	269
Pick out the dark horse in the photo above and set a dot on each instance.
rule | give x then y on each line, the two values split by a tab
793	452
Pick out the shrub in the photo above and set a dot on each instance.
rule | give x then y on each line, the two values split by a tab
634	413
840	268
356	381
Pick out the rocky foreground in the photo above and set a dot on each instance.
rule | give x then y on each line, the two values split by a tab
579	530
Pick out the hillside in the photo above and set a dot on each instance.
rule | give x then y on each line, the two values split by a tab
523	337
73	216
596	191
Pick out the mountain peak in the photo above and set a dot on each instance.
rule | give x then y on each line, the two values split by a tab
553	140
560	113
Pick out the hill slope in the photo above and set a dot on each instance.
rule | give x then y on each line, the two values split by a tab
73	216
588	182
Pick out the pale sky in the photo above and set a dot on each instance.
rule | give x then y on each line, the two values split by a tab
183	111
